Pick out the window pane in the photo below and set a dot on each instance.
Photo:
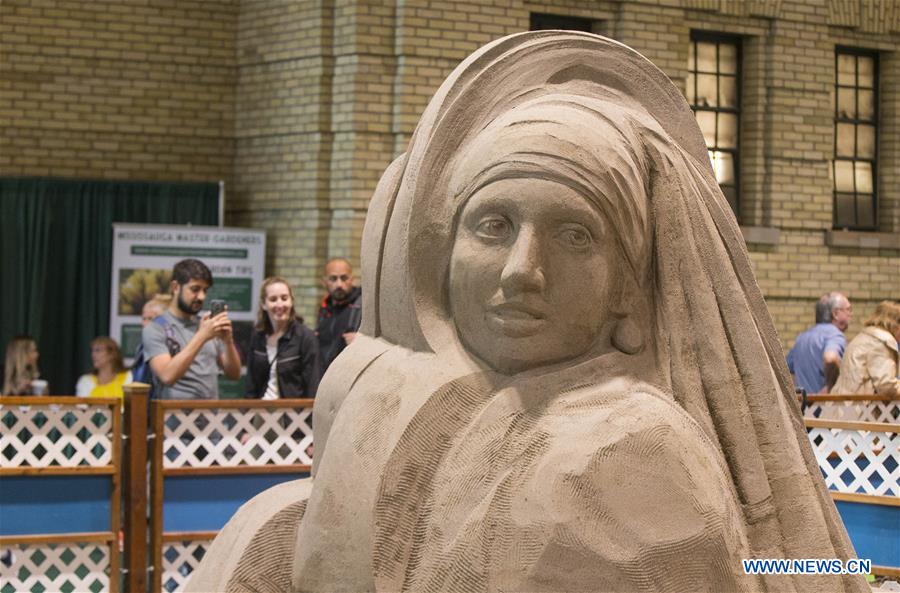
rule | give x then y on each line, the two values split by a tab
866	105
844	140
865	211
728	58
723	165
707	121
865	141
866	71
846	69
864	177
689	89
706	90
843	176
692	65
727	91
706	56
847	103
730	194
856	140
845	210
727	136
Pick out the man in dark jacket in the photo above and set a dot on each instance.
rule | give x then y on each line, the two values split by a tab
340	313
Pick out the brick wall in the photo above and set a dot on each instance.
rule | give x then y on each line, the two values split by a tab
117	89
300	105
787	118
283	135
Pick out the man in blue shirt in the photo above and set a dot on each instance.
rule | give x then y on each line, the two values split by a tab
815	359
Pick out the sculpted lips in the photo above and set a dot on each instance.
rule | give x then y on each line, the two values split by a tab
515	319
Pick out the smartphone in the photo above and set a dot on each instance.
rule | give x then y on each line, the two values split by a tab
216	306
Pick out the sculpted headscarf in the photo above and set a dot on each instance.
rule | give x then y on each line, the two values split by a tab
715	344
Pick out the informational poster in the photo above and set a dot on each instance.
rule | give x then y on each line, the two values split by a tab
143	257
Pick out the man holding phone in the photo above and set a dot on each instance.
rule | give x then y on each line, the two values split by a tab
186	349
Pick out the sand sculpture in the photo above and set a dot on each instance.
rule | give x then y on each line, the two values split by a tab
567	378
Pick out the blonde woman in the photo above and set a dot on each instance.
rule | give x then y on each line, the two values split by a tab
154	308
109	373
21	366
870	362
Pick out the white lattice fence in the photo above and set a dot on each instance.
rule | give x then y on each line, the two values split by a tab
855	411
54	567
237	437
51	435
858	461
180	559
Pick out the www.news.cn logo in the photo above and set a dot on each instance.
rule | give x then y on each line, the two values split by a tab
807	566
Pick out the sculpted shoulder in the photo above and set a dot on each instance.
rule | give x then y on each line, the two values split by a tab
643	424
641	487
636	453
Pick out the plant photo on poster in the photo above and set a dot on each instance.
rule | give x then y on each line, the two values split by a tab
137	286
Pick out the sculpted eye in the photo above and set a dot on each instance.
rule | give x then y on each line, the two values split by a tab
575	237
493	227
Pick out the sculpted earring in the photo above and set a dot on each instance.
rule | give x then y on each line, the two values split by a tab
627	336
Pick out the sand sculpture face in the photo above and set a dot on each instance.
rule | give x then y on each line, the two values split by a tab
530	274
575	385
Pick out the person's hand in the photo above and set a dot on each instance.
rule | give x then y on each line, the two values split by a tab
215	327
224	329
349	337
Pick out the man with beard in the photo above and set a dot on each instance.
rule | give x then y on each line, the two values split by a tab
340	313
186	351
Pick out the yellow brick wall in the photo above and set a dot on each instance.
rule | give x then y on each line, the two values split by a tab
283	136
300	105
117	89
787	119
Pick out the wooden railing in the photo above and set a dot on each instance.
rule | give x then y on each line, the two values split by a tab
216	454
206	458
855	439
60	503
854	408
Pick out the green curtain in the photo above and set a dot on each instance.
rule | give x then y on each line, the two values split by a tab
56	258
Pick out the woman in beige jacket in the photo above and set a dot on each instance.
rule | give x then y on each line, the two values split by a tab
871	360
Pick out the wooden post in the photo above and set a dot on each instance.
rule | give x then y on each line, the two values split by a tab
157	421
135	486
115	508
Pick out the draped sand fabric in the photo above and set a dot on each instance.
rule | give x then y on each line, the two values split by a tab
653	459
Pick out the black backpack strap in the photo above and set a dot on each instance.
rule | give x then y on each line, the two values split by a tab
171	339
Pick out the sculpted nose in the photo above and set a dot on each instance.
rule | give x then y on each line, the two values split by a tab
524	271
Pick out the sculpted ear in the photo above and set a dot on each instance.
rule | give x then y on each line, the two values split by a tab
631	310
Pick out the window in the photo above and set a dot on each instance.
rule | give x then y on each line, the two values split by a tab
714	93
855	139
542	22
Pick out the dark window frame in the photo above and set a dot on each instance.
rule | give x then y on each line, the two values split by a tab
856	121
540	21
693	74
